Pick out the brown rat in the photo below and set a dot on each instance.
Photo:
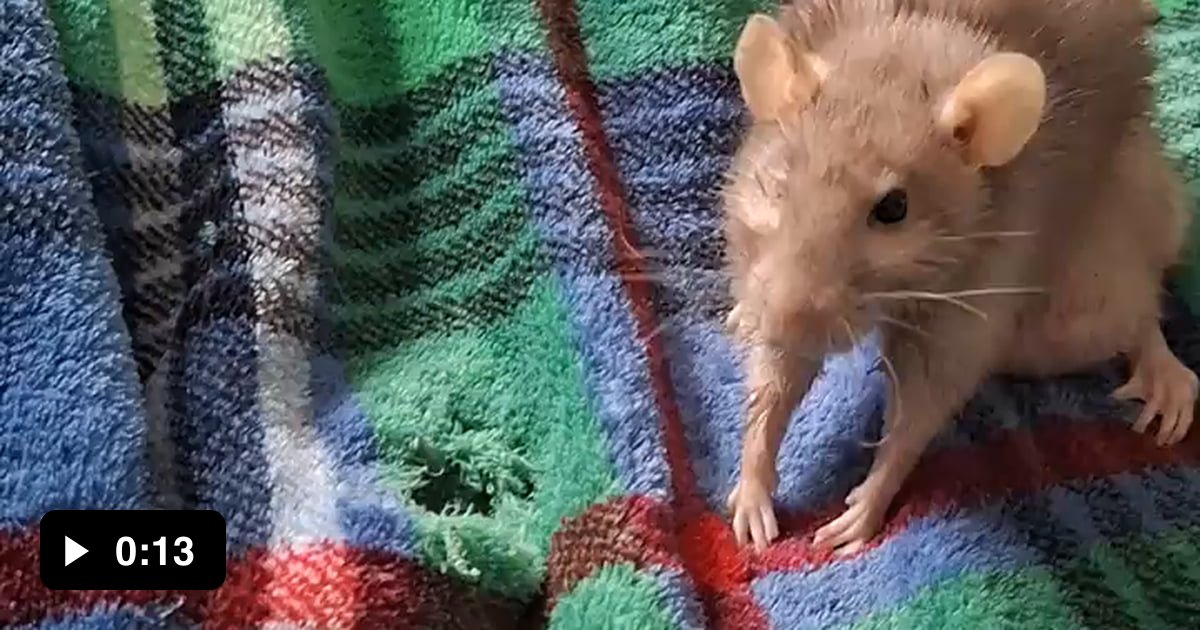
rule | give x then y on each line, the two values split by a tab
978	179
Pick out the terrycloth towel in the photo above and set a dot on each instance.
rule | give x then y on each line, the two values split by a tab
364	276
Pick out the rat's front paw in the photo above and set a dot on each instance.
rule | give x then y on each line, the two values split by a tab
866	506
753	514
1168	388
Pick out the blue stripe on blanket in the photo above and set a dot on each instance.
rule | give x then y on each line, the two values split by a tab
574	234
369	514
71	425
219	434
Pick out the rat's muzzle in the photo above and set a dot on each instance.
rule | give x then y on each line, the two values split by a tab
814	320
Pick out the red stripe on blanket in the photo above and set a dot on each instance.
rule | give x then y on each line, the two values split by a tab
1011	462
561	23
722	573
324	585
637	530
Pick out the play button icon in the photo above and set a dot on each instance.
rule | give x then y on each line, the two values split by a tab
72	551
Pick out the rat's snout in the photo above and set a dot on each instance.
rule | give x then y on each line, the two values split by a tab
805	290
815	306
809	316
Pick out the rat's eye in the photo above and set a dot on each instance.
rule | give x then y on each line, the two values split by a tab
891	208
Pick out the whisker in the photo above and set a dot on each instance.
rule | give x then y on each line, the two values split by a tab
663	324
934	261
899	323
997	291
926	295
663	277
849	331
975	235
954	297
891	370
645	253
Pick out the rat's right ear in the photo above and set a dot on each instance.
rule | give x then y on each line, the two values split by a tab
996	108
772	75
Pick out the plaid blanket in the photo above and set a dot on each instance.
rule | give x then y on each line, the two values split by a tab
422	296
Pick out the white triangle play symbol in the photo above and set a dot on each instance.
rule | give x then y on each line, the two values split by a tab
73	551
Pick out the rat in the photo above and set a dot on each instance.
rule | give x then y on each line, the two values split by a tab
977	180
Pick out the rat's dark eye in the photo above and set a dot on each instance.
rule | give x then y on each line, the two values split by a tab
891	208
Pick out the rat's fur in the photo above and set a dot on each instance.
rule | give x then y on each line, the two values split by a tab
1076	230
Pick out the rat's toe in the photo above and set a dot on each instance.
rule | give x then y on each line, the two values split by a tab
1187	413
1131	390
850	548
838	531
770	525
1148	413
741	528
1166	425
757	531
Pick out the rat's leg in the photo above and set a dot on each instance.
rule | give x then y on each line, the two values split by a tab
934	380
1167	386
905	440
776	381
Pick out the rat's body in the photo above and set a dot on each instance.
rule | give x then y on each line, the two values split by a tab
978	178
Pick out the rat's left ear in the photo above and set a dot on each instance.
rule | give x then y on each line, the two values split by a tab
996	108
772	74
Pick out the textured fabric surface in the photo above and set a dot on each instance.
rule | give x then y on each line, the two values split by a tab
423	297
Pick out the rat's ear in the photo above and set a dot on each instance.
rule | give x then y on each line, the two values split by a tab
996	108
772	75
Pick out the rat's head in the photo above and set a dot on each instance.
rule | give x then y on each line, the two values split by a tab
863	169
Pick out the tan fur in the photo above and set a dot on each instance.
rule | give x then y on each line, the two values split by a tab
1079	223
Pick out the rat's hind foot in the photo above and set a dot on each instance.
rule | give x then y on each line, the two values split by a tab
753	513
1166	386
